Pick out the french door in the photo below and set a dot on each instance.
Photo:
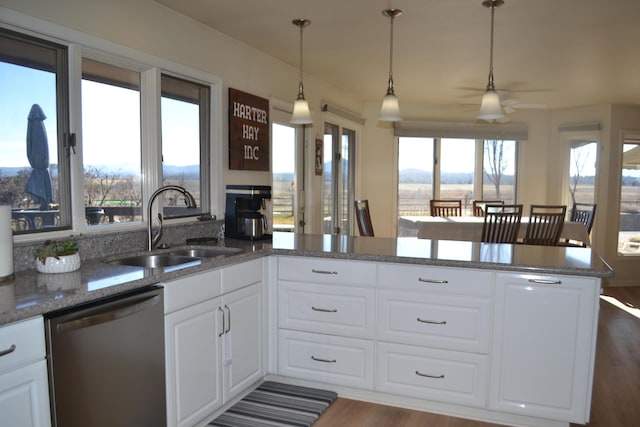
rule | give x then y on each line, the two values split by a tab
338	181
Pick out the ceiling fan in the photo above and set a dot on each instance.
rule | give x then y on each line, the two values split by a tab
510	105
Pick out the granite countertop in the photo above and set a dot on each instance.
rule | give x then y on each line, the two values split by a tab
32	293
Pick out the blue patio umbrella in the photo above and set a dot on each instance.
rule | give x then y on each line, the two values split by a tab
39	185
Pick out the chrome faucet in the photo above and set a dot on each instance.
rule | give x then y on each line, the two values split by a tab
189	200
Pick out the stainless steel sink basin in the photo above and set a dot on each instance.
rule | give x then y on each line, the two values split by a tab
155	260
205	252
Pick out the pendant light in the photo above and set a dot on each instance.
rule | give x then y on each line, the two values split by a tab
490	108
301	114
390	111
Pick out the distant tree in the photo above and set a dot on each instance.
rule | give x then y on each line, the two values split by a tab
12	189
580	158
496	162
98	184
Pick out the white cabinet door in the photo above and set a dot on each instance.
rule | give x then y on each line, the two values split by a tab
544	346
24	396
193	368
243	340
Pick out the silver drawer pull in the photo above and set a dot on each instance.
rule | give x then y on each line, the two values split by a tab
313	270
325	310
441	282
223	324
318	359
433	322
429	376
546	282
8	351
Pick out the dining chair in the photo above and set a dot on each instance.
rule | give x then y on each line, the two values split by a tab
363	217
479	206
445	207
501	223
545	225
584	213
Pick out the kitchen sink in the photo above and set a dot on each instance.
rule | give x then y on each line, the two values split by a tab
155	260
205	252
174	258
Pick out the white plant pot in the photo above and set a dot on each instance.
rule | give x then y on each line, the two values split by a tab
64	264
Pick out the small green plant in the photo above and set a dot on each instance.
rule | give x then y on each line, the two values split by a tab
54	249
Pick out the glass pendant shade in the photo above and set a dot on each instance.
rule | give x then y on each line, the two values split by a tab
490	108
301	114
390	111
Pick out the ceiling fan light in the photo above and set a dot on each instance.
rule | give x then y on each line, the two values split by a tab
490	109
390	111
301	114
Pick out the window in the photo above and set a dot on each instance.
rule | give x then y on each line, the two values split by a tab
629	232
283	192
452	168
185	143
34	167
582	171
117	170
111	143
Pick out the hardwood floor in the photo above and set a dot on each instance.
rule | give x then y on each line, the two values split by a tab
616	391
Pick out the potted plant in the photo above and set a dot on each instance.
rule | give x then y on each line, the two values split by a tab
57	257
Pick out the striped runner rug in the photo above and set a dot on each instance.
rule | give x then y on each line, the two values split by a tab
277	404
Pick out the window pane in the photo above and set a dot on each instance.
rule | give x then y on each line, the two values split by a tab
329	203
111	144
629	235
457	165
499	166
185	134
582	172
284	161
32	168
347	187
415	178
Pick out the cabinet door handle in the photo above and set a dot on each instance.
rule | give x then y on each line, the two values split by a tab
228	319
10	350
432	322
441	282
325	310
429	376
546	282
223	327
313	270
318	359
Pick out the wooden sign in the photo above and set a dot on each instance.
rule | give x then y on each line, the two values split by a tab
248	131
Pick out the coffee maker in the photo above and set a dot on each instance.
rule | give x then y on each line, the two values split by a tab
244	211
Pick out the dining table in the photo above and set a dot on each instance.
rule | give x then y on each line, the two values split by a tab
470	228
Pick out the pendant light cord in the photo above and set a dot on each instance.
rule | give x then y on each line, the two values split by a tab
490	85
300	88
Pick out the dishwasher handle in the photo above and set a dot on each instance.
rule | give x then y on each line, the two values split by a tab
127	309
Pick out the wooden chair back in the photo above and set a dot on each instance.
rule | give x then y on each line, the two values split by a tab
545	225
445	207
584	213
363	217
501	223
479	206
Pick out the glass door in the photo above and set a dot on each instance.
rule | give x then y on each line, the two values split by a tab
284	186
338	179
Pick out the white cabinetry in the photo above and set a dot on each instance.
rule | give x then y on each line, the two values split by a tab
544	346
213	333
433	333
24	390
326	320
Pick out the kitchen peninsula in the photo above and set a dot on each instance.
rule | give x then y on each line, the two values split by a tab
484	331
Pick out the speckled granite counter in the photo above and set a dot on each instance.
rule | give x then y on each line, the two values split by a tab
32	293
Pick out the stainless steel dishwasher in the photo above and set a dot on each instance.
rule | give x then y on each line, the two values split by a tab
106	362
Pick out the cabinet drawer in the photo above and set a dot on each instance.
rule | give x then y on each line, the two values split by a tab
191	290
329	359
439	375
336	310
22	343
328	271
449	322
437	280
240	275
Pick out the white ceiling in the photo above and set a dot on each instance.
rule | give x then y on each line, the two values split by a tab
560	53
